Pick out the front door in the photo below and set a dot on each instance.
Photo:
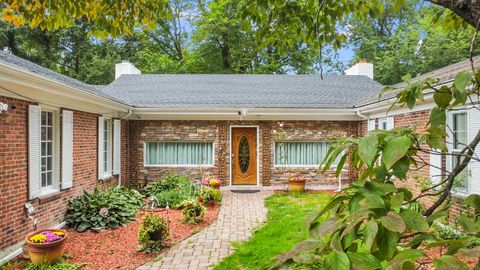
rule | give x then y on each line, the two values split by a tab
244	156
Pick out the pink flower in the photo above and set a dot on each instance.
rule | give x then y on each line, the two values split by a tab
103	212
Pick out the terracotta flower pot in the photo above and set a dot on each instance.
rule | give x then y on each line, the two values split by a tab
296	185
45	253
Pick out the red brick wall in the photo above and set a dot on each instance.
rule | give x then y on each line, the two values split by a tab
14	172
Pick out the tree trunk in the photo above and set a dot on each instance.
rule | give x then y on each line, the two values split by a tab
469	10
225	51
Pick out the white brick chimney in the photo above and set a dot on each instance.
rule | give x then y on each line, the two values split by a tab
361	68
125	67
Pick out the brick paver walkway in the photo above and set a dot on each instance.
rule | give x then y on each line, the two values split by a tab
239	214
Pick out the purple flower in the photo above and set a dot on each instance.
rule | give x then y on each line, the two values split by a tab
50	237
103	212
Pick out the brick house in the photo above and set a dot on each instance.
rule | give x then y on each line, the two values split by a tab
59	136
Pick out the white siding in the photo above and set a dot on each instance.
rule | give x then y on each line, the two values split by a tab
371	124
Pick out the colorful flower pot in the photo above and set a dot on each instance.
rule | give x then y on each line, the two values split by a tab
45	252
296	185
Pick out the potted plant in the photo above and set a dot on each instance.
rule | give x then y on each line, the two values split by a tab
193	212
296	184
152	233
212	182
46	246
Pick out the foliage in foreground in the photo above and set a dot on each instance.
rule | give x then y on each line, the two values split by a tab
150	225
172	190
370	224
285	227
57	265
106	209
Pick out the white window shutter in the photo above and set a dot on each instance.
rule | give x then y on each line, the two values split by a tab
390	123
100	146
116	146
67	149
34	170
474	166
435	166
449	142
371	124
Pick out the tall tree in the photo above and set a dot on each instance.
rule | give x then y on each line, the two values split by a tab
407	41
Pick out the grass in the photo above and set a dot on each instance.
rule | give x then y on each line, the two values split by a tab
284	228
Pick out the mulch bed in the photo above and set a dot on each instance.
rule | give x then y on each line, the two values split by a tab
117	249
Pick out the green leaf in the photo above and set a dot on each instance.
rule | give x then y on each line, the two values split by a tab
387	244
437	215
369	234
318	229
396	201
414	220
367	149
461	80
372	201
337	260
438	117
362	261
468	224
395	150
473	201
404	256
400	168
393	222
449	263
442	99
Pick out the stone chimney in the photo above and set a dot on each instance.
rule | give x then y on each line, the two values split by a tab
361	68
125	67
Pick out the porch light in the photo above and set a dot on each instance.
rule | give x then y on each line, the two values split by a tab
242	114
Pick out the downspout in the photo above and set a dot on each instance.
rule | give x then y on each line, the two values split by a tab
120	172
361	115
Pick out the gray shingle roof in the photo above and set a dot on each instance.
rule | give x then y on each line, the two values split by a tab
444	75
236	91
31	67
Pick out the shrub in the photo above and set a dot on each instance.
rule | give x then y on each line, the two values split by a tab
103	209
152	224
59	265
193	212
211	195
172	190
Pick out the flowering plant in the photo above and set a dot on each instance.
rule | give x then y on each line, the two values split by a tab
210	181
46	237
296	179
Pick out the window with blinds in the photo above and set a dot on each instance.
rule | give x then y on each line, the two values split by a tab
178	153
301	154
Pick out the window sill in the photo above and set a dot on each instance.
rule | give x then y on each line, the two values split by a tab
180	166
49	195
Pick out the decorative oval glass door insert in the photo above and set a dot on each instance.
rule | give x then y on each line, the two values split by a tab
244	154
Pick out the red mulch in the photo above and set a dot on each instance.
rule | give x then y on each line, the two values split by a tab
117	249
436	252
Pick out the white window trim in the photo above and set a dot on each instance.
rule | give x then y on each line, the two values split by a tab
105	174
309	166
55	187
178	165
463	192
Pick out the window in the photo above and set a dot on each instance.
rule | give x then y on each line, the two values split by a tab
301	154
386	123
178	153
106	148
459	141
48	155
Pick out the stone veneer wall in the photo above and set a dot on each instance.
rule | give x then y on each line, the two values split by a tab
141	131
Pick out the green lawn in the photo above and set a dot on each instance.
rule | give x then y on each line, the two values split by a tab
284	228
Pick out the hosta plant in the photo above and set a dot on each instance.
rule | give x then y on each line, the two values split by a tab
172	190
103	209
